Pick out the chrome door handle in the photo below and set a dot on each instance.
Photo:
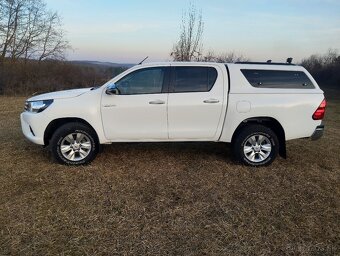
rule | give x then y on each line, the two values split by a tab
211	101
157	102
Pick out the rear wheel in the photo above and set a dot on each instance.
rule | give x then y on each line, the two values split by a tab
256	145
74	144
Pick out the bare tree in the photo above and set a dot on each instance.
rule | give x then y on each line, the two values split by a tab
29	30
324	68
226	57
11	10
53	44
189	46
317	61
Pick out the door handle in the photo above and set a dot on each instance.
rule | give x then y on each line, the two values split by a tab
157	102
211	101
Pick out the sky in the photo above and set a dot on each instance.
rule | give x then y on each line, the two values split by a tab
126	31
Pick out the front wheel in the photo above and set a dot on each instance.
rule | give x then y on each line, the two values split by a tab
256	145
74	144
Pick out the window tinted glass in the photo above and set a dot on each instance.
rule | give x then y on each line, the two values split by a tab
277	79
144	81
194	79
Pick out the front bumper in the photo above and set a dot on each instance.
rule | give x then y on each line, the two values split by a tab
318	133
31	128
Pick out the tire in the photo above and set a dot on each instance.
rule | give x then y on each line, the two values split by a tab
255	145
74	144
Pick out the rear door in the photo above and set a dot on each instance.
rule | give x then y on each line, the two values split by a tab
195	102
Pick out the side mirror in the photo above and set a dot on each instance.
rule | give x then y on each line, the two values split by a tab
112	90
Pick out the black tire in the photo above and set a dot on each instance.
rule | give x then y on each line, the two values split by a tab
60	135
241	143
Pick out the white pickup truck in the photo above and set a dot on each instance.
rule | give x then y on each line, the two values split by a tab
256	107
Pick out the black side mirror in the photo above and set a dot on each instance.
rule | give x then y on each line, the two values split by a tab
112	90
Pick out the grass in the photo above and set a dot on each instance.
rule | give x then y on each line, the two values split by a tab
176	198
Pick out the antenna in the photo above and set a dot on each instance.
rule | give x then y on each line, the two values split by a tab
140	63
269	61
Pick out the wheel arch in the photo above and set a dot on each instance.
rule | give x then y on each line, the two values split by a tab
56	123
269	122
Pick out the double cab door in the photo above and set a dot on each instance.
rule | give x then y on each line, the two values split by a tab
165	103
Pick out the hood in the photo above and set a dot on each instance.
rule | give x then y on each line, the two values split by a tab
60	94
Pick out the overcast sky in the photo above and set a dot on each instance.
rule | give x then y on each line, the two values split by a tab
126	31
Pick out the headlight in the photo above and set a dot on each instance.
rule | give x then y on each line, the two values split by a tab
37	106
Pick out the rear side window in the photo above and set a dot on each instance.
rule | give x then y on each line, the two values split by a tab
277	79
193	79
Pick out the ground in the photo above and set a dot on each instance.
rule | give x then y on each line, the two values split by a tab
176	198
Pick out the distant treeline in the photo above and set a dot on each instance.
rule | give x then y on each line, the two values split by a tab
28	77
25	77
324	68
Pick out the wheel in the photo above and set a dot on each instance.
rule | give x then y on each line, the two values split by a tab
256	145
74	144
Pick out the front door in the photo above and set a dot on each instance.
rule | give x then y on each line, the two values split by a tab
139	111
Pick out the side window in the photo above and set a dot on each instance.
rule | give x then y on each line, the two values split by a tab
277	79
143	81
193	79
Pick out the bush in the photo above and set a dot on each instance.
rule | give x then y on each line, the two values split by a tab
28	77
324	68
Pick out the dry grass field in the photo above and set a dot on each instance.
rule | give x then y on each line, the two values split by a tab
169	199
